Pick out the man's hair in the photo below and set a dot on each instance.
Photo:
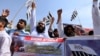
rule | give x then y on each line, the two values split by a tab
66	29
22	20
40	30
55	30
91	32
3	19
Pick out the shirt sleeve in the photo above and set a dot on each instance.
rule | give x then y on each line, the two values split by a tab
96	17
32	20
60	28
2	40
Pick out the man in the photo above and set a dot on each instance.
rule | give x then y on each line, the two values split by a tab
16	33
5	39
5	13
69	31
38	30
62	33
20	28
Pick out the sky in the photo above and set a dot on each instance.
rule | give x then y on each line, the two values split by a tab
83	8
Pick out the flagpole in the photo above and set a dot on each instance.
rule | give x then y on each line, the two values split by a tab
79	21
18	11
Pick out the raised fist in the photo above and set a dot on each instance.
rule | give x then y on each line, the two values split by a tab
59	11
33	5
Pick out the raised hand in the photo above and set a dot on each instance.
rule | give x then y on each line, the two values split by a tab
5	13
33	5
59	12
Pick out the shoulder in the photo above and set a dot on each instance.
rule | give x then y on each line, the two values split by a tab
4	34
26	32
9	31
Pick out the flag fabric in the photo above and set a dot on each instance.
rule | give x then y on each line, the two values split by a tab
74	15
81	50
48	20
29	7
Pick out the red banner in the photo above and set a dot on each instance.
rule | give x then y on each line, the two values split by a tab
38	39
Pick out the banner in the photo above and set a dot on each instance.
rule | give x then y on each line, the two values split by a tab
84	45
36	46
73	46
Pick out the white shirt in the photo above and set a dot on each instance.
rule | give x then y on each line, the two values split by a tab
5	42
61	34
33	26
96	18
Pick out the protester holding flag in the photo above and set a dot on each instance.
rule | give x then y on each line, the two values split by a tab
5	39
52	33
39	29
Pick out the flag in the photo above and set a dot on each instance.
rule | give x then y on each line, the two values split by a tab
74	15
81	50
48	20
29	7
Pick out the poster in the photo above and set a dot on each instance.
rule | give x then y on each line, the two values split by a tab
84	45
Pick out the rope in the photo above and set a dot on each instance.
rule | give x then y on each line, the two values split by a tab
18	12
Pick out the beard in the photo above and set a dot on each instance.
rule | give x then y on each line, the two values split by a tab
40	29
19	27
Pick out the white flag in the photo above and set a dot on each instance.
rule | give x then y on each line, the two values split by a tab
29	7
74	15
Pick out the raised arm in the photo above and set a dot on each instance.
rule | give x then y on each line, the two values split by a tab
95	8
33	17
96	17
59	22
5	13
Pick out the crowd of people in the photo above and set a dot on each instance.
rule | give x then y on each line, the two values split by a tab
8	40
